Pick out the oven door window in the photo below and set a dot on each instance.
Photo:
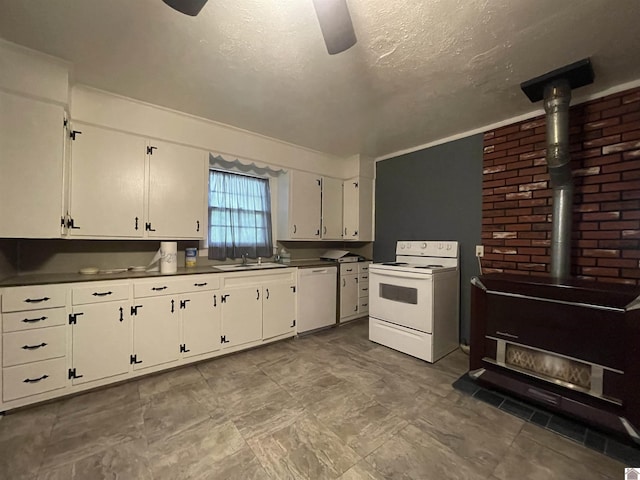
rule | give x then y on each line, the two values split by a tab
398	293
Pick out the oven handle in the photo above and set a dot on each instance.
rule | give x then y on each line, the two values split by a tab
410	276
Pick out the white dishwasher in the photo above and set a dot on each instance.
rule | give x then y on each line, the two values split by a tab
317	295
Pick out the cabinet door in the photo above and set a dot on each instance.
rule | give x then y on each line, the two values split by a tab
156	331
201	314
101	340
331	209
278	309
176	191
31	162
107	183
242	315
351	208
348	295
304	205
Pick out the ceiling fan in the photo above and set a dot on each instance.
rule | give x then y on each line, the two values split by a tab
333	17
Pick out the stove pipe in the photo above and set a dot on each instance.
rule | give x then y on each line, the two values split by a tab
555	87
557	96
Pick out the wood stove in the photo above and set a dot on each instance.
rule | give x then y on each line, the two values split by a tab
570	345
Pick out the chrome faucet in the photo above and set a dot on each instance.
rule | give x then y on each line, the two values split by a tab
245	256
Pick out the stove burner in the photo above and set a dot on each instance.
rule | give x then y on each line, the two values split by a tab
394	264
429	266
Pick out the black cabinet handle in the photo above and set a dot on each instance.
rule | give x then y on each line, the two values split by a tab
365	289
215	304
101	294
345	230
355	233
344	282
136	223
200	284
258	294
33	320
172	305
35	380
267	294
121	314
349	269
197	225
34	347
37	300
324	230
294	228
73	134
150	150
158	289
318	232
147	227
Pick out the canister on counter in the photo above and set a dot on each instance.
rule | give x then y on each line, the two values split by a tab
190	257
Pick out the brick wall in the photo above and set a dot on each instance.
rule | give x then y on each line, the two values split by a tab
516	198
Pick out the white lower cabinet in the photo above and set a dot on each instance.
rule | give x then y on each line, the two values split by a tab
100	332
34	343
201	316
278	309
354	290
258	306
101	341
241	315
156	332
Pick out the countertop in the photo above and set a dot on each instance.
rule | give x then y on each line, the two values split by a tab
46	278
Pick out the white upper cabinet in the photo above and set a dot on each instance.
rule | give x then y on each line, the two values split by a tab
124	186
107	183
177	177
310	207
358	213
301	210
331	209
31	167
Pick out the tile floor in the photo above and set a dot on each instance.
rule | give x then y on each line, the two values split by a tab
327	405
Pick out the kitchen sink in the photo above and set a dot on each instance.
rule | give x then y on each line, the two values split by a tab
248	266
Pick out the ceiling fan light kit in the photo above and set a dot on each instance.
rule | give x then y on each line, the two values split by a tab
335	23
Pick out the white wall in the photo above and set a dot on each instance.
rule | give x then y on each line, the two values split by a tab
33	74
104	109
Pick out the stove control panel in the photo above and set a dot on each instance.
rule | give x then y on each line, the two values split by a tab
421	248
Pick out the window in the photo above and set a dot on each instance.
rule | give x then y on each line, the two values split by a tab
239	216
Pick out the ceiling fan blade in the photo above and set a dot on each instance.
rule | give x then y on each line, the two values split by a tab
335	23
188	7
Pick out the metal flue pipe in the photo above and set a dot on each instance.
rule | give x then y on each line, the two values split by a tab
557	96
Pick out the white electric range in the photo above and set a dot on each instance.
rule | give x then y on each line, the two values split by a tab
414	301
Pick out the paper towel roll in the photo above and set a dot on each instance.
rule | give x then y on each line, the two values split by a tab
168	257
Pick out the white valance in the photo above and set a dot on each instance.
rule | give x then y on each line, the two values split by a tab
217	161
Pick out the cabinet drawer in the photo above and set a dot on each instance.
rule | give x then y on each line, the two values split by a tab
99	292
363	306
348	268
364	289
12	322
33	345
170	286
363	267
15	299
364	278
33	378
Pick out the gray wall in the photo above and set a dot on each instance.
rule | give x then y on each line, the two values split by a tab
433	194
8	258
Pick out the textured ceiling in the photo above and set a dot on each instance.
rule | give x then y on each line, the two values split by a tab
421	70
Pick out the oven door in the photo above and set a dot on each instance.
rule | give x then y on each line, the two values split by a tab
403	298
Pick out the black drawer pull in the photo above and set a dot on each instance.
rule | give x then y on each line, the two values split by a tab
101	294
200	284
37	300
34	347
158	289
33	320
35	380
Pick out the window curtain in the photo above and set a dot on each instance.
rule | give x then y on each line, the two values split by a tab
239	216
